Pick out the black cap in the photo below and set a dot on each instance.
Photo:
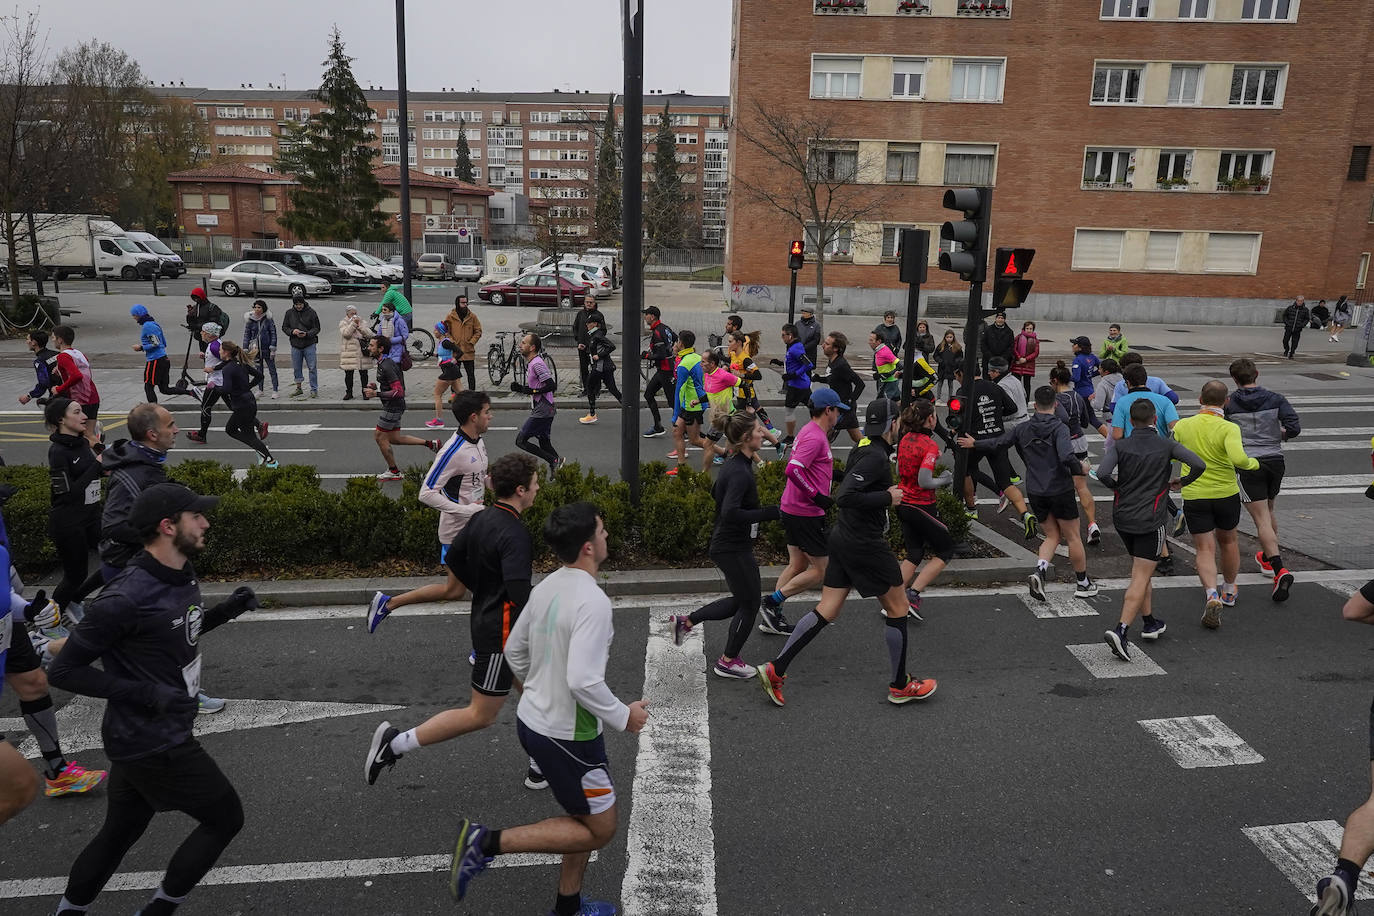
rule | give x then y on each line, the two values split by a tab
297	298
878	417
653	310
165	500
998	364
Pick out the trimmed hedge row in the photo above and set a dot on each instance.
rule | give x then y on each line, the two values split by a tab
284	518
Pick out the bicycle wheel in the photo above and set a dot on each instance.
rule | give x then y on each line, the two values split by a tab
553	368
496	364
421	344
519	367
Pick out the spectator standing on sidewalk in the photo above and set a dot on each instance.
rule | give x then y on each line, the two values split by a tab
152	343
465	330
888	332
1023	355
302	328
44	367
1295	319
260	342
997	341
353	338
949	358
394	328
925	341
76	381
580	335
201	310
1115	346
809	333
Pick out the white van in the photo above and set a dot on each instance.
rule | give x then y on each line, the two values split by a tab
171	263
357	273
372	268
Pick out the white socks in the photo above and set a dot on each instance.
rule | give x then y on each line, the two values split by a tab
404	742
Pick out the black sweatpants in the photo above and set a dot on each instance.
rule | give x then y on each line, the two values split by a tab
663	381
156	374
741	573
595	379
1290	341
348	379
243	427
74	540
469	366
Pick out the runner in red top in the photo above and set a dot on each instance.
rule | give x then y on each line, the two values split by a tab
922	530
76	382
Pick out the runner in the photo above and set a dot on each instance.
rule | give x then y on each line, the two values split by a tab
75	381
18	786
999	371
689	390
1051	466
449	377
1153	383
988	412
44	367
1145	460
742	349
153	345
492	555
602	368
559	649
540	386
455	485
74	512
841	377
1079	416
1340	319
1134	385
860	558
1212	504
1266	421
885	368
805	499
796	378
239	378
660	353
738	515
579	330
1085	367
145	628
719	384
917	455
390	390
214	380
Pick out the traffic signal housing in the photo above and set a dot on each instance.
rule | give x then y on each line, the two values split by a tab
913	248
956	414
796	255
1010	286
972	232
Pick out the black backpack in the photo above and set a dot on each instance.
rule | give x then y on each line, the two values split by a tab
222	319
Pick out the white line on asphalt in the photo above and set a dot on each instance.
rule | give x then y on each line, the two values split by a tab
1201	741
1100	662
1336	431
442	430
276	871
670	843
1303	852
1058	604
1342	589
243	449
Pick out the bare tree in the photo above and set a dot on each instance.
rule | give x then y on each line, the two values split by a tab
104	91
164	136
817	181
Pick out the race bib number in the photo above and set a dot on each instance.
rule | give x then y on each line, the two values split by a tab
191	675
93	492
754	531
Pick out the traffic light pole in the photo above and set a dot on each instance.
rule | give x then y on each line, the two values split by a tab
792	300
919	239
632	218
971	333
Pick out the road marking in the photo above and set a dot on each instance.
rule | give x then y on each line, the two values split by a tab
1058	604
670	843
1100	662
1343	589
79	720
277	872
297	430
1327	480
242	449
1304	853
1201	741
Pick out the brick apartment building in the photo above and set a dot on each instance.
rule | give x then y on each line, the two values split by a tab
1198	160
537	145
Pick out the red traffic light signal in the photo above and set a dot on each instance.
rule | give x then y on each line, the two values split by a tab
956	405
1010	288
796	255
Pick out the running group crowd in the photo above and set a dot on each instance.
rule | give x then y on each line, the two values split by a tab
551	641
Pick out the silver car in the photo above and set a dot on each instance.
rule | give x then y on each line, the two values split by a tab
259	278
469	269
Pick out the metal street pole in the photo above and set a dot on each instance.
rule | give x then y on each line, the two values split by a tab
920	239
402	99
971	329
792	300
632	299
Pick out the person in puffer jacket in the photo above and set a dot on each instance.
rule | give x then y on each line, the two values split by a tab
260	342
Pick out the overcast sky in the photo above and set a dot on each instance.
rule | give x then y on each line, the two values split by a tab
517	45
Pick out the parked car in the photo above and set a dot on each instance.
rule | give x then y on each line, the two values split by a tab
533	289
171	264
374	269
358	277
435	265
303	262
469	269
601	289
264	278
399	260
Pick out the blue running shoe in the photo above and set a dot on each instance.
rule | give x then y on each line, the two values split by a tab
1152	629
1116	641
594	908
468	861
377	611
1333	898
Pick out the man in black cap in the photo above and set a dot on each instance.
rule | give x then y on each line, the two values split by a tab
809	332
860	558
144	628
661	351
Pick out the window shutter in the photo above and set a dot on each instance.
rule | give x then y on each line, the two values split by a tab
1098	249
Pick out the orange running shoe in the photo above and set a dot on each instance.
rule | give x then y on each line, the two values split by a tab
74	780
915	689
772	683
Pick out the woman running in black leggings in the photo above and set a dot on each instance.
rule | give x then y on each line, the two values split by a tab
74	473
243	425
732	546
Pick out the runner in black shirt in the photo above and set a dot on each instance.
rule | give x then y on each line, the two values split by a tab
991	404
144	629
844	381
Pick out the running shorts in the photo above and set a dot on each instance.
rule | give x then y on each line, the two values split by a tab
807	533
1264	482
390	419
999	465
1147	546
448	372
578	773
491	676
182	778
1206	515
22	657
922	530
1063	506
795	397
1367	590
92	411
443	554
868	567
848	420
536	428
690	417
1371	726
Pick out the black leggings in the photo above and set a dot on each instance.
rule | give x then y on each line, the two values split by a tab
595	379
243	426
208	397
741	573
156	373
470	366
662	381
74	541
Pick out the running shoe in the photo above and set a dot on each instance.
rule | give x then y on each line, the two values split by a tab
772	683
735	668
1036	582
468	861
1152	629
672	454
195	436
535	780
1116	641
432	445
1180	522
271	464
719	459
472	658
1030	524
671	472
913	604
1016	481
915	689
1094	534
588	419
380	756
262	431
208	705
1092	472
1263	563
1211	614
1283	581
1333	898
1002	502
680	626
1165	566
377	611
1228	597
654	431
971	512
558	463
436	423
771	619
594	908
390	475
73	780
1085	589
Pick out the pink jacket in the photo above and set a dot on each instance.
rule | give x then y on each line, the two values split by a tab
1027	347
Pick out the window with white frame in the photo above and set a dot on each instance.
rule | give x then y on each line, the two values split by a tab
836	77
288	114
1268	10
685	139
1117	84
969	164
1185	84
1125	9
839	246
1161	250
907	73
836	163
1103	167
976	81
1194	9
1231	252
902	162
1174	167
1098	249
1256	86
892	238
543	117
1243	164
1362	272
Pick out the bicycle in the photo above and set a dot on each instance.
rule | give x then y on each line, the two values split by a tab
420	343
501	362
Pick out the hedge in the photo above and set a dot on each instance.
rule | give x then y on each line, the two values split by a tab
283	518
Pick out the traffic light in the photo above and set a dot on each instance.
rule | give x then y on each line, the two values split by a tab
913	248
1010	286
971	263
796	255
956	408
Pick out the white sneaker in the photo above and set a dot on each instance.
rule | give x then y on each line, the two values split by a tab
390	475
1085	589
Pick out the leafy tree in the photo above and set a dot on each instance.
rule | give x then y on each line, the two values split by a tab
607	215
463	169
666	223
332	157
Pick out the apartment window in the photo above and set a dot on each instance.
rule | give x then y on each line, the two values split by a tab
906	77
1267	10
1098	249
498	213
1194	9
1125	9
1161	250
288	114
1362	274
219	201
969	165
1231	252
836	77
1238	164
305	114
204	112
1105	167
836	164
190	201
685	139
269	204
976	81
839	246
1174	167
1258	86
1359	163
1117	84
892	239
902	162
1184	84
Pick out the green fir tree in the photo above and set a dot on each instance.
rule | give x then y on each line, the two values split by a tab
608	214
463	170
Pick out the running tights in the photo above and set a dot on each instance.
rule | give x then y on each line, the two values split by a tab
662	380
544	451
741	606
74	543
208	397
595	379
243	426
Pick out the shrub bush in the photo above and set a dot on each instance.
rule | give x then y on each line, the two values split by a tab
208	478
26	517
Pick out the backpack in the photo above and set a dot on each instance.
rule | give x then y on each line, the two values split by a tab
222	319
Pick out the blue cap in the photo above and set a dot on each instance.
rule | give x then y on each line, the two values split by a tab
139	311
826	397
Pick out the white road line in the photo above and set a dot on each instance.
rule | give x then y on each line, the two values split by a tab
1100	662
670	843
1343	589
1201	741
276	872
1304	853
1058	604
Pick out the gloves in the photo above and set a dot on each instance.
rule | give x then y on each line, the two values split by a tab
42	613
170	701
822	500
242	600
775	362
788	376
519	388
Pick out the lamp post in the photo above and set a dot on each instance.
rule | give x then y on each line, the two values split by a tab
632	300
403	98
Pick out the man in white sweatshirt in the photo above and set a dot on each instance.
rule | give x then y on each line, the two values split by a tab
558	648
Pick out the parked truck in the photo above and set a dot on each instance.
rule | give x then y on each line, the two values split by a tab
79	244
